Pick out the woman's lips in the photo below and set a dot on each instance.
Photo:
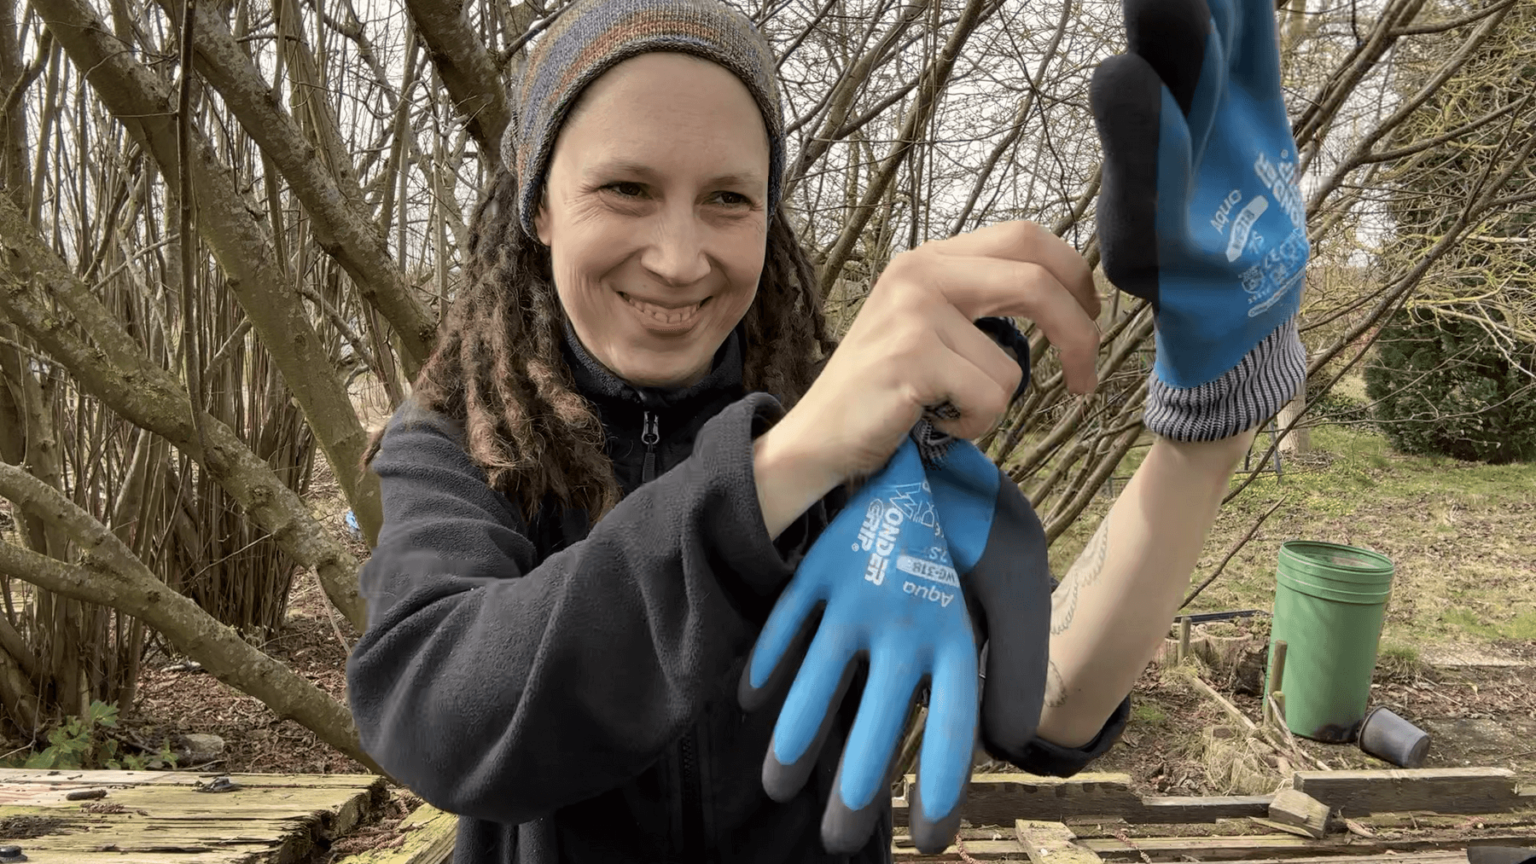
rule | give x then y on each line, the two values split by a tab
662	317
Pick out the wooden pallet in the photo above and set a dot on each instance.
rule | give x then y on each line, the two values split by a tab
1426	816
426	837
161	817
999	799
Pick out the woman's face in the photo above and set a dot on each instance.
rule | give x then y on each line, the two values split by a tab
655	214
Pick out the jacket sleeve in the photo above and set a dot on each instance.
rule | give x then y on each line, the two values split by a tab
1048	759
1044	758
505	698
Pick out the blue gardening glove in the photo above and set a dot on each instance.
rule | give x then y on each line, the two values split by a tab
999	548
1199	211
889	591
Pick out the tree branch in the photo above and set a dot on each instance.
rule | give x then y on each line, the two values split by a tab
111	575
467	70
113	368
229	224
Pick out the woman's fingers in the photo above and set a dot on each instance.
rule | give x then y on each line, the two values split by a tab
1028	242
979	286
979	380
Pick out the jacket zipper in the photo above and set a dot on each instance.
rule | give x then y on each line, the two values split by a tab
693	805
650	435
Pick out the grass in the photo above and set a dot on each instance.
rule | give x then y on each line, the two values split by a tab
1148	714
1460	535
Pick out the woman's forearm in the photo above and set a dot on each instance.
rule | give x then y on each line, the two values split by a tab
1112	611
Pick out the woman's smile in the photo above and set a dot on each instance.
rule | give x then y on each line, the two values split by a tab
664	318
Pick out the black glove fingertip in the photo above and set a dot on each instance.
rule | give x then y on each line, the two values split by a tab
933	836
1171	36
784	781
1007	336
1127	97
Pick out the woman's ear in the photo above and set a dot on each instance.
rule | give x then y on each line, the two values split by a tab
541	218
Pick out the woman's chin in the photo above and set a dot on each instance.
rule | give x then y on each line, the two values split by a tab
675	373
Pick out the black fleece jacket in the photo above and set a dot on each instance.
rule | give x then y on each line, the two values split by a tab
570	690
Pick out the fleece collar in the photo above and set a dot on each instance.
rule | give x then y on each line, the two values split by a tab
597	383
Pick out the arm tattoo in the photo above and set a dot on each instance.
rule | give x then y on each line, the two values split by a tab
1055	687
1085	571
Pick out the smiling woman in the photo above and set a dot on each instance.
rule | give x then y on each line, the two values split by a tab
655	212
632	429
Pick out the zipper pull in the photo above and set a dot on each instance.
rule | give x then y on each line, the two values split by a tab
649	436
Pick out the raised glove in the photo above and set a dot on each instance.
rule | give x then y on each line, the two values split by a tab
999	548
1199	211
890	594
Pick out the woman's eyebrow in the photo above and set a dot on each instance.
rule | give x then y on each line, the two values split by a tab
646	172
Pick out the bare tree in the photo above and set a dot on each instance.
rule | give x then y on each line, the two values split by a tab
207	255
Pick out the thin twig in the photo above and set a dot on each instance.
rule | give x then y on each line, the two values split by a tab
330	609
1231	552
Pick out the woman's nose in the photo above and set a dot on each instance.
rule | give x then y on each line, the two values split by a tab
676	252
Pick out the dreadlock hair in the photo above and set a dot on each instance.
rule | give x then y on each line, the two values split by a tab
498	370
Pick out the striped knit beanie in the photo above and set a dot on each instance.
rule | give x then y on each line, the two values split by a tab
592	36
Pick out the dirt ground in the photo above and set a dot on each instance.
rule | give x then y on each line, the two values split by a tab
1458	657
1476	715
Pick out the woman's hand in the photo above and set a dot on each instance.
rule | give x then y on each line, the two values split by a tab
913	346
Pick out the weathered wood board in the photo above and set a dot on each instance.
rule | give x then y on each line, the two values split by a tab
1052	843
427	838
999	799
1442	790
161	817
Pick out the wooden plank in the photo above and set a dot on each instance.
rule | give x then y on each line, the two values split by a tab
1297	808
1000	799
428	839
275	819
1442	790
999	808
252	855
980	850
1438	856
1201	809
1051	843
90	779
1278	846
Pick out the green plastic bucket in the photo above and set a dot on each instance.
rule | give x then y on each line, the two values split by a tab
1329	604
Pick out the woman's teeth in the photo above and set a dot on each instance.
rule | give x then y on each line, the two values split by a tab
663	315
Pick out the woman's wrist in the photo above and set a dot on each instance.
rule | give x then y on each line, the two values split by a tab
1215	460
791	473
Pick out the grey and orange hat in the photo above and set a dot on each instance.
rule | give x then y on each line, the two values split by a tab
592	36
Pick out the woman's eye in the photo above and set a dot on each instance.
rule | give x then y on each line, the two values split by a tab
627	190
733	199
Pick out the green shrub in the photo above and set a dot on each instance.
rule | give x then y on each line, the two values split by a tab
1443	386
84	743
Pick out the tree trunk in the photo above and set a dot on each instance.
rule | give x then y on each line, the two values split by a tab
1299	440
115	370
112	576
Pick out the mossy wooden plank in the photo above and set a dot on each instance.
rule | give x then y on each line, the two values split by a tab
1052	843
1278	846
428	835
215	856
270	819
1442	790
279	841
181	778
999	799
981	850
998	808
